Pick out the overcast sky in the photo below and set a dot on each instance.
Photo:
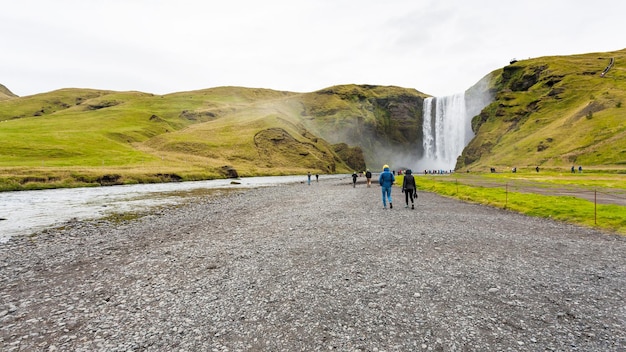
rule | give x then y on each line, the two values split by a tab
438	47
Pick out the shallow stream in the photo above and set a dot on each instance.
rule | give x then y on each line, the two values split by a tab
26	212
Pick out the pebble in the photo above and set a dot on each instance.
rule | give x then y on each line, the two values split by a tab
319	267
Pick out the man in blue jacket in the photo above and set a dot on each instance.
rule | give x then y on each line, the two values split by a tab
386	180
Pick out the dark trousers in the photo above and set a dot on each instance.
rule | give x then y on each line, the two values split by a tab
408	194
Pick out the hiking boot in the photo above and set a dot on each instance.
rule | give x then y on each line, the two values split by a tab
390	206
412	206
406	206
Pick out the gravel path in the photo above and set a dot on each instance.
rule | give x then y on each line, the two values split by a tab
319	267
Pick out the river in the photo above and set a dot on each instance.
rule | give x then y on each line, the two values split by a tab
26	212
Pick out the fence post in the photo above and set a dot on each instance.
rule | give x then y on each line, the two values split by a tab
595	207
506	198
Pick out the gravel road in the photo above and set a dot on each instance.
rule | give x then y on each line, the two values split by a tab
315	268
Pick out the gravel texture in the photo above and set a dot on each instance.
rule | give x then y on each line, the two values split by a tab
320	267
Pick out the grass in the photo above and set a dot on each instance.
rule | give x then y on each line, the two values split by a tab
529	194
77	137
550	111
553	112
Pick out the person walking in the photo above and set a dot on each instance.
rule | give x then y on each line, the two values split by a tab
368	176
408	188
308	177
354	176
386	180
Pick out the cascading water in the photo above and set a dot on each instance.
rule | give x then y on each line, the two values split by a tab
446	131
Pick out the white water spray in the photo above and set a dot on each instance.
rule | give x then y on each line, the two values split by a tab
446	131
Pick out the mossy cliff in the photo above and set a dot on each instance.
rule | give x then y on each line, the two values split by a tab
385	122
553	112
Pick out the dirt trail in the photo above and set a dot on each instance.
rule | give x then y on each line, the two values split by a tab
319	267
602	196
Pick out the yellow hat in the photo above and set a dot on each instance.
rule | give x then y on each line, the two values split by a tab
385	166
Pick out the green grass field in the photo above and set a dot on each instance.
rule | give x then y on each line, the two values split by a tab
540	195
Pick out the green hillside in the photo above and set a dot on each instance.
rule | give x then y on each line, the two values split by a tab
553	112
82	136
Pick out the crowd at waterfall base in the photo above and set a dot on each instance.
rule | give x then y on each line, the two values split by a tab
427	172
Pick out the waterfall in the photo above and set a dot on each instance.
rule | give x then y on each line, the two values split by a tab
446	131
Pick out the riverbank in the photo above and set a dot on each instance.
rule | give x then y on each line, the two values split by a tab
25	212
298	267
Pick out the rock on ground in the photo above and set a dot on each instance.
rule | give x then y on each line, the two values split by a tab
319	267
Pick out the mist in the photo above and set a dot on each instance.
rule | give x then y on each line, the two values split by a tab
447	126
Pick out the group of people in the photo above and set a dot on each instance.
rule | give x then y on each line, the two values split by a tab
386	179
580	169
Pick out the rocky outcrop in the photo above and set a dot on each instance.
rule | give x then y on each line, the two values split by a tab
352	156
385	122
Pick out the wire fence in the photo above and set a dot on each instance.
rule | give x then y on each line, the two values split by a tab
597	196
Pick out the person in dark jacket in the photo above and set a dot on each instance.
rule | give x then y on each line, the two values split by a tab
354	176
386	180
409	188
368	176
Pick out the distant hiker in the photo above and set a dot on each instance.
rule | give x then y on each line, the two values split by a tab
317	178
368	176
537	168
580	169
386	180
573	169
408	188
308	176
354	176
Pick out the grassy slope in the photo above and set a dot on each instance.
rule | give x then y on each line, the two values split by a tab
259	133
54	136
54	130
554	112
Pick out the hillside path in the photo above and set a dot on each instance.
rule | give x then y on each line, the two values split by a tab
319	267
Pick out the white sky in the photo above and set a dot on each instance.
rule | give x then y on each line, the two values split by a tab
439	47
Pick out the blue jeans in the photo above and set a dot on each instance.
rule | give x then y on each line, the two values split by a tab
387	193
